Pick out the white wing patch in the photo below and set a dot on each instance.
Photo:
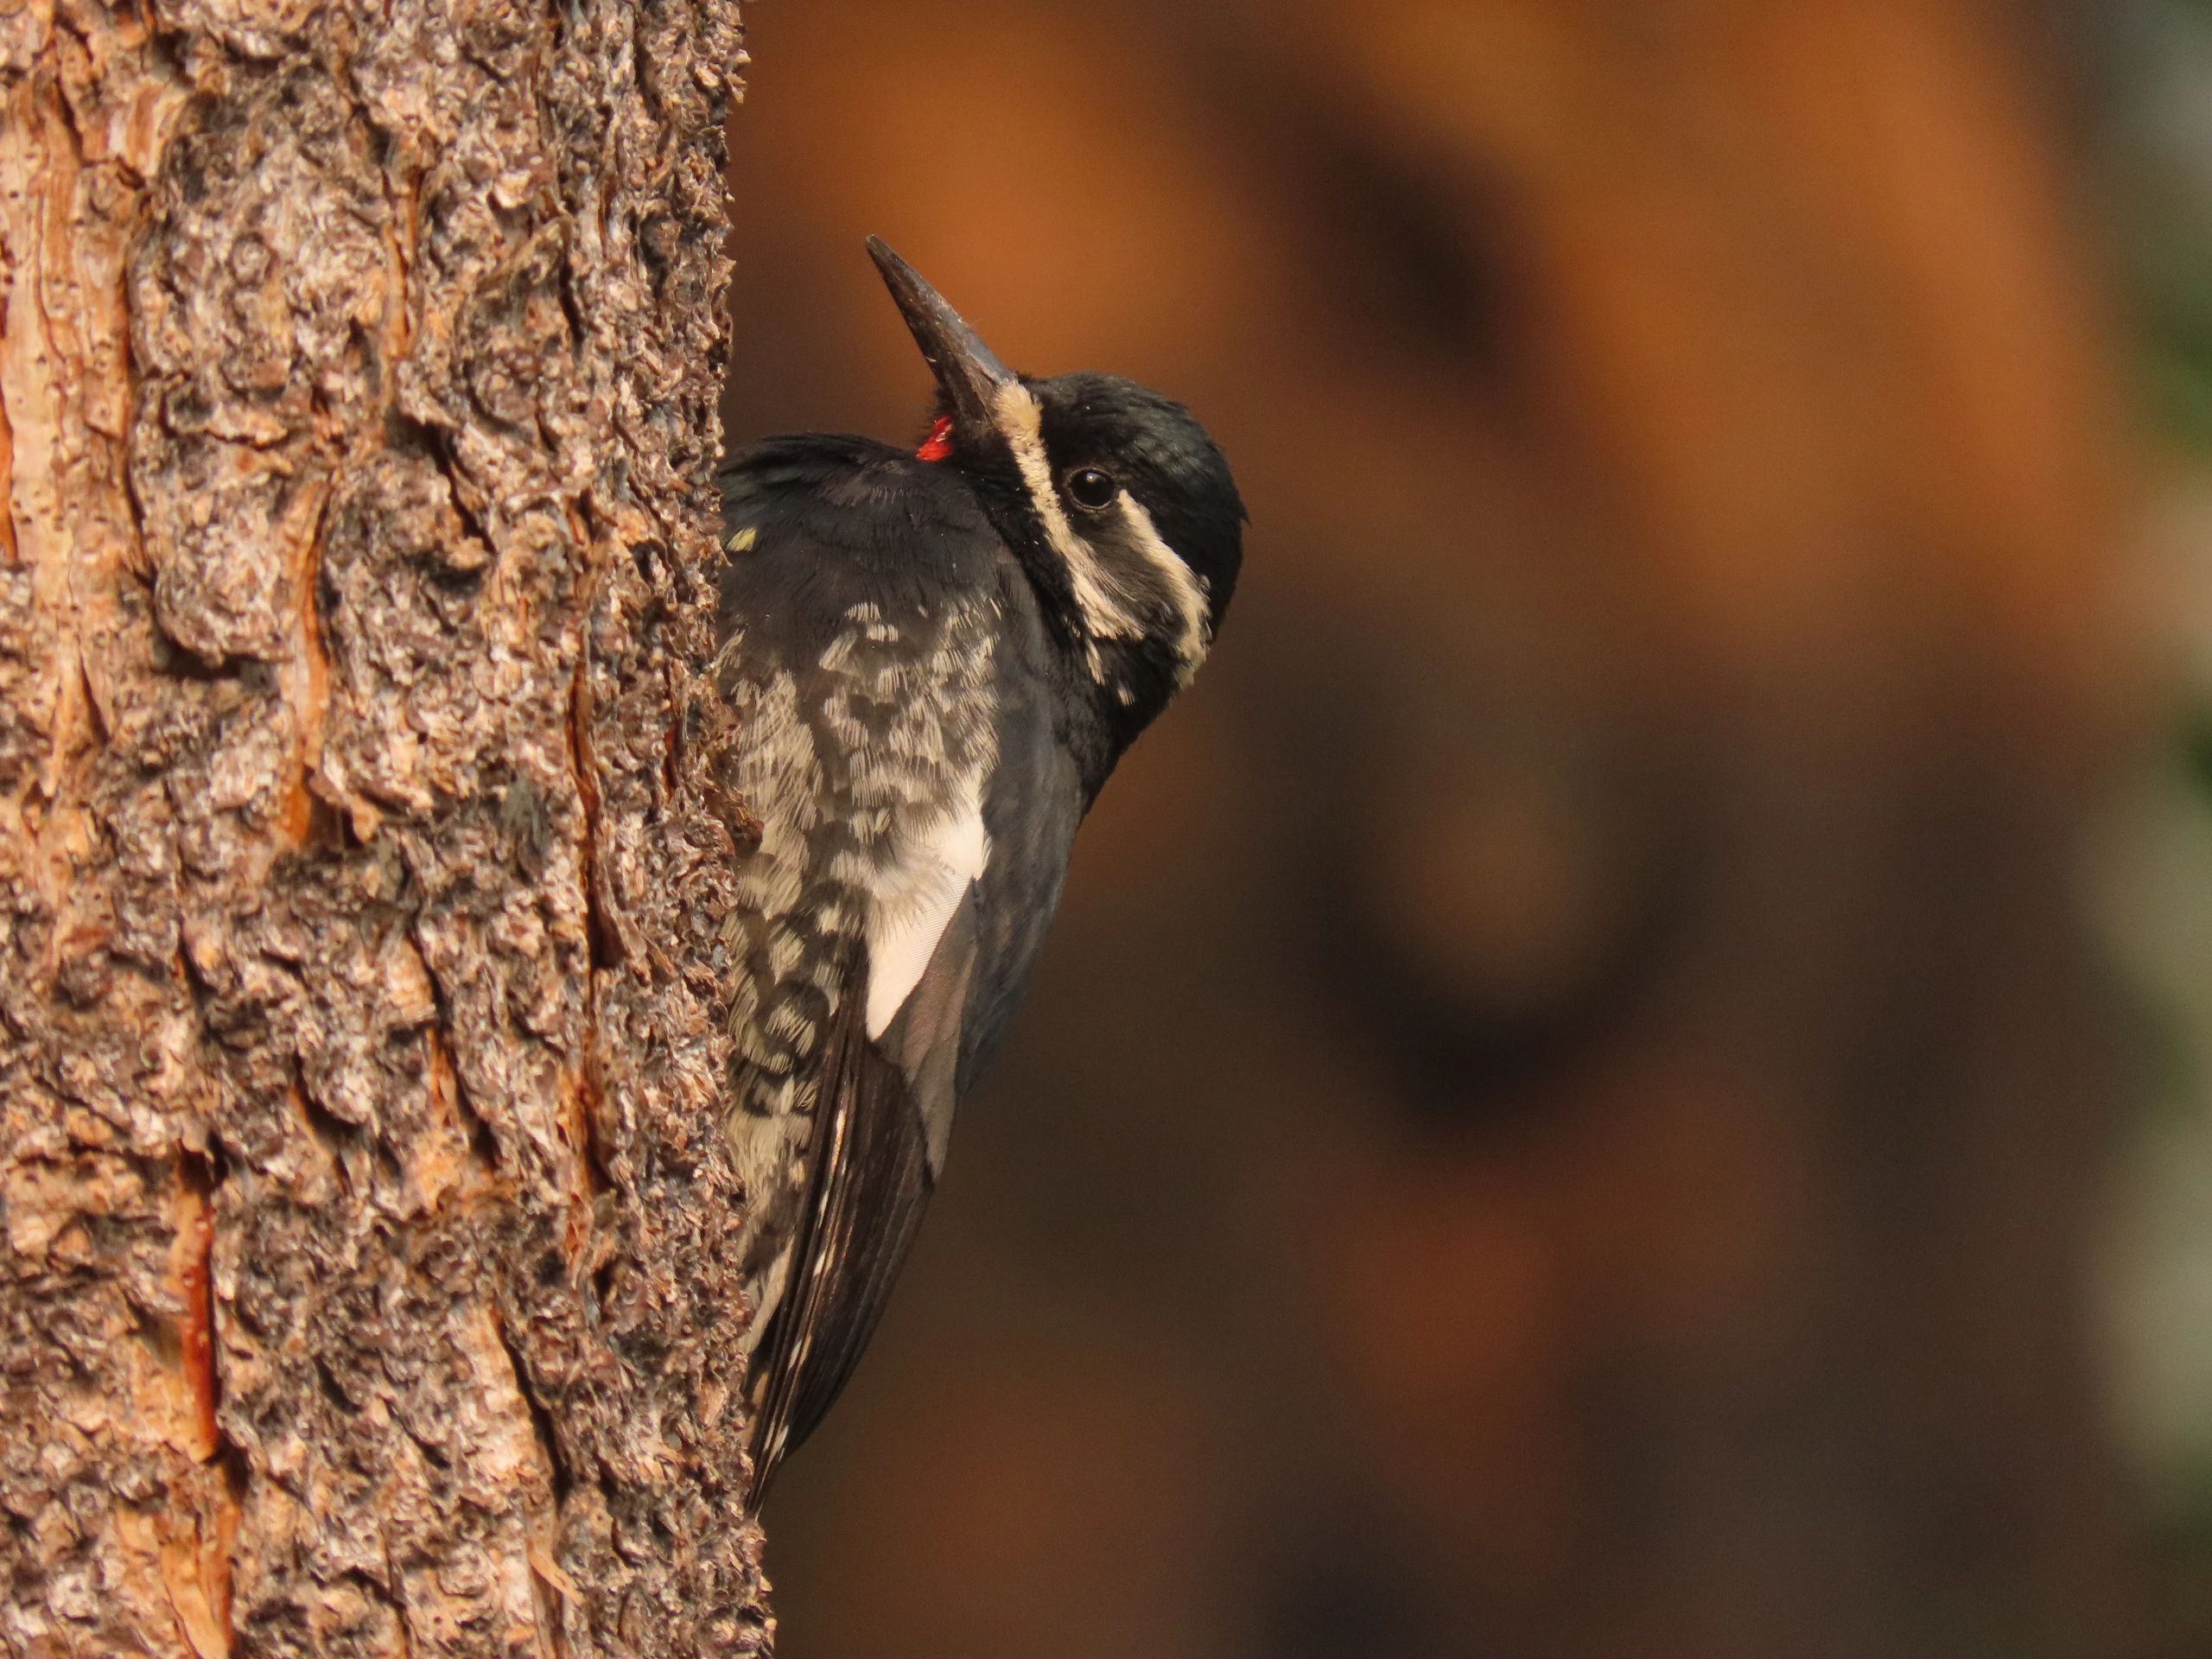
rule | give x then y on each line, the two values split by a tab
914	900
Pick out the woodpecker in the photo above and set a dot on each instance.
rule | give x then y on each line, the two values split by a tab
939	655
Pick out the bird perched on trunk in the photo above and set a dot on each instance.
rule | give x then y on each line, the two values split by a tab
939	655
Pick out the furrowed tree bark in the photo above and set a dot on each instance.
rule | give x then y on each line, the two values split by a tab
367	1284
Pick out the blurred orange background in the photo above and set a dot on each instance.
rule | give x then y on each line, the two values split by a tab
1589	1094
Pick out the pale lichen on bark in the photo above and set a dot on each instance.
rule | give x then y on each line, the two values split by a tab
368	1281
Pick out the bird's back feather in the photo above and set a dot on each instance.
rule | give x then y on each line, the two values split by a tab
917	805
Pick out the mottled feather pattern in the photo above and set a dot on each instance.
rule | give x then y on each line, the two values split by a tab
937	660
850	765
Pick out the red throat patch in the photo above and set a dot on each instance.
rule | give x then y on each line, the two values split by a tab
938	445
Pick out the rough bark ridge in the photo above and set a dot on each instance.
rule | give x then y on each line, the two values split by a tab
368	1233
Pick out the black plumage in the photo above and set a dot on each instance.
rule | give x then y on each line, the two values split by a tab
939	656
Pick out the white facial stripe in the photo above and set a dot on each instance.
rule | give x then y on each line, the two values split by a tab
1184	587
1107	612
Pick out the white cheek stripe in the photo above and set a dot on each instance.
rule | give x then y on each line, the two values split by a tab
1184	586
1108	613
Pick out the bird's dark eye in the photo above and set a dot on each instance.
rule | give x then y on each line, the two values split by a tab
1088	487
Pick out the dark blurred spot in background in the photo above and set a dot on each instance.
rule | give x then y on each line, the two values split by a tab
1628	1075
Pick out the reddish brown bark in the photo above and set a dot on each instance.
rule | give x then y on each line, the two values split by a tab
367	1264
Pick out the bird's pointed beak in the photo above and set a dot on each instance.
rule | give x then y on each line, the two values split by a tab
968	370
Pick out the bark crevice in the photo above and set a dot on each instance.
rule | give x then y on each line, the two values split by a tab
361	1036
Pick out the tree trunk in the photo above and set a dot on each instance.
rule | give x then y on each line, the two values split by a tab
368	1277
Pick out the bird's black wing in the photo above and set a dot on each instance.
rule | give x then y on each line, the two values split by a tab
881	1107
870	1174
885	1112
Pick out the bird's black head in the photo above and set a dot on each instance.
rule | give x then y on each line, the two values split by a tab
1121	508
